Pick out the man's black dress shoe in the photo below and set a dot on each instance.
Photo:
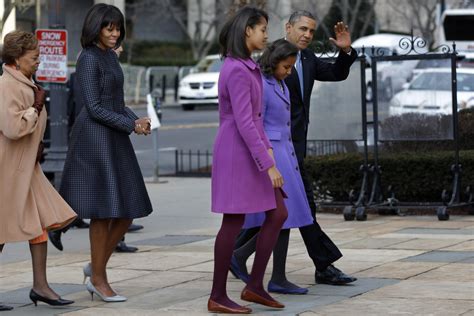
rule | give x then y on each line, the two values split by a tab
5	308
55	238
79	223
122	247
134	227
333	276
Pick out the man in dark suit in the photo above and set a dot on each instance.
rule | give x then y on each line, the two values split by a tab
299	31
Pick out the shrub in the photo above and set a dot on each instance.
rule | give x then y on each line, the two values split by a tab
415	177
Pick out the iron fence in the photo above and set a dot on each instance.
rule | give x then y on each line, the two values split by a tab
190	163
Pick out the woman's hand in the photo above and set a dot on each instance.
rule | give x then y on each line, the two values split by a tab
143	126
275	177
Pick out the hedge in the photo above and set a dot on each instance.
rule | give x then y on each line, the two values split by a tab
415	177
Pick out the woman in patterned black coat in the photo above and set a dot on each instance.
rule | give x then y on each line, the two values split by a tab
102	180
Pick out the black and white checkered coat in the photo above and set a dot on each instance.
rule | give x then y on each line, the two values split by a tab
101	177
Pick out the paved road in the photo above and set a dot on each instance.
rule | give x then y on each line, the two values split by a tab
193	130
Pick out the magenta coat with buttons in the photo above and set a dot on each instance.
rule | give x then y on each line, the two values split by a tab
240	182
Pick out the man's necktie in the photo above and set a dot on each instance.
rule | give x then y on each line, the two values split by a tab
299	70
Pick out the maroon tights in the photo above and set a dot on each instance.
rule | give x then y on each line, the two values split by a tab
223	248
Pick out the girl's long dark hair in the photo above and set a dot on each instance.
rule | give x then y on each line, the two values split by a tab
232	36
275	52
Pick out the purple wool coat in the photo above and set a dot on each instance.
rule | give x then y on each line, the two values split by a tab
240	182
277	125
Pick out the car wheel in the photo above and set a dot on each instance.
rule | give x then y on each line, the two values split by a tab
188	107
388	90
369	92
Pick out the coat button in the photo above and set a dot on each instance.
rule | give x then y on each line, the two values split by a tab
288	108
297	168
293	153
288	123
259	114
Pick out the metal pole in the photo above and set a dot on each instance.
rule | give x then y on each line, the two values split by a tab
163	89
176	86
156	170
54	161
375	106
38	13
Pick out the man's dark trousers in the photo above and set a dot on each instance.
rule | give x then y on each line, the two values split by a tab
320	247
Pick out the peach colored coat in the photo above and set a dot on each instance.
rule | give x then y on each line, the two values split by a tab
28	202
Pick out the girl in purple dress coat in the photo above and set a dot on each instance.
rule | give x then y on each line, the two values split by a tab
276	63
245	179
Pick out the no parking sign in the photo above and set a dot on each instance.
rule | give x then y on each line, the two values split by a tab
53	55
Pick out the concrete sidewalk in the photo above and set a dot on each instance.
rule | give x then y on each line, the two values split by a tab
405	265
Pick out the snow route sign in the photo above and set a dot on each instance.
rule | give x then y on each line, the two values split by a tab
53	55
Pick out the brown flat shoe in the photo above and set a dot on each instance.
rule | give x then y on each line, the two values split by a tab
250	296
215	307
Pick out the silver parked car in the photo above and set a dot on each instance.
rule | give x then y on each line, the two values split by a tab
430	93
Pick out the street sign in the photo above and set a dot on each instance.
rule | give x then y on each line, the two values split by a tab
53	55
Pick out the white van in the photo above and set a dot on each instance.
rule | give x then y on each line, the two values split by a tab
391	74
457	25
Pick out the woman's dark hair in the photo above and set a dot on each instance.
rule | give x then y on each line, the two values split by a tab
232	36
99	16
16	44
277	51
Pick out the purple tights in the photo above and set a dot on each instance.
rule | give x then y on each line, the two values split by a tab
223	248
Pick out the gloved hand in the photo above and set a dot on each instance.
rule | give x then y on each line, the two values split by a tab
40	98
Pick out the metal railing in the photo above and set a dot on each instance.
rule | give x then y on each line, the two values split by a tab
193	163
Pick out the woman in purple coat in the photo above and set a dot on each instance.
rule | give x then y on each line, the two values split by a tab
245	179
276	63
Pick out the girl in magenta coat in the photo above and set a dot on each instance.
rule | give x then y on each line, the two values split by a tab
276	63
244	177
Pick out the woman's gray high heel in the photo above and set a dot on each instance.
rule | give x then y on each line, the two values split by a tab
109	299
87	270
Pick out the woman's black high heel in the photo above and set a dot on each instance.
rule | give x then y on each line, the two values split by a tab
35	297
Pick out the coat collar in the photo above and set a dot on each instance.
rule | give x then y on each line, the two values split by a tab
276	87
17	75
249	62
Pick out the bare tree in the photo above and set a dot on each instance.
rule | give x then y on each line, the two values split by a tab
420	15
210	17
353	12
204	35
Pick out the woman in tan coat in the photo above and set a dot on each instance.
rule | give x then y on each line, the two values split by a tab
29	205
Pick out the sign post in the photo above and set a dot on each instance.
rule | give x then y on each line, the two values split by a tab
53	69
